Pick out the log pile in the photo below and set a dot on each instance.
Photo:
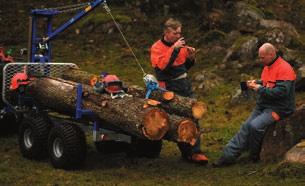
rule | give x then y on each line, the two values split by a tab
179	105
125	115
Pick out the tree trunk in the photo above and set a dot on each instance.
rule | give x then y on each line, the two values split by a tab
125	114
282	136
184	130
179	105
296	154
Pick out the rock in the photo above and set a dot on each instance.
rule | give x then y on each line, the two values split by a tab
248	49
243	48
276	36
205	80
248	17
300	83
296	154
231	37
282	25
216	50
215	18
282	136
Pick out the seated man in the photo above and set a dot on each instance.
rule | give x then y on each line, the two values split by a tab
275	101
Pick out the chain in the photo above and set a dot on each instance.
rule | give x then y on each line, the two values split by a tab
69	8
124	38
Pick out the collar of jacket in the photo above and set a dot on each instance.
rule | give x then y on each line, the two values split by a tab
166	42
274	60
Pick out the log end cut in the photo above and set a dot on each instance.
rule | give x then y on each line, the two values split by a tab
199	109
156	124
168	95
187	132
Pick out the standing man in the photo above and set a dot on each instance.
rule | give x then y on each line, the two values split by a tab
275	101
171	59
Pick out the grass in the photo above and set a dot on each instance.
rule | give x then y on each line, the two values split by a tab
117	170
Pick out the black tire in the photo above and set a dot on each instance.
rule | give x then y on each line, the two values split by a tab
145	148
8	124
33	136
67	146
109	147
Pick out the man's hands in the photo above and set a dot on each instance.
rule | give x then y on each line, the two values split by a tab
179	43
253	85
191	52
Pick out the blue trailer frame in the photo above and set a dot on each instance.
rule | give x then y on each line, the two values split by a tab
37	43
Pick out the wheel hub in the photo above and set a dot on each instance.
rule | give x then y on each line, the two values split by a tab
27	138
58	147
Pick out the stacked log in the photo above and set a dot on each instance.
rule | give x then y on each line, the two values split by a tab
179	105
126	114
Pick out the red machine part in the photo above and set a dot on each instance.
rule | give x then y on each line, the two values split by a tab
18	79
5	58
112	84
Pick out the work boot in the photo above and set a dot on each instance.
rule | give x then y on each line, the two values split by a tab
198	158
222	162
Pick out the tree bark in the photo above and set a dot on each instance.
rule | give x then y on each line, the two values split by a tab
125	114
282	136
179	105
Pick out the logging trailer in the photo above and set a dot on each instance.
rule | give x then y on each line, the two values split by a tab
42	131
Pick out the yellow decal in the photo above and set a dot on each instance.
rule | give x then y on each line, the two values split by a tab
88	9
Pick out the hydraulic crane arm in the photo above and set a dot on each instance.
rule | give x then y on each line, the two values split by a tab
36	44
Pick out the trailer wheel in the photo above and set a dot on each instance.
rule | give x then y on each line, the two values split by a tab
145	148
33	136
109	147
67	146
8	124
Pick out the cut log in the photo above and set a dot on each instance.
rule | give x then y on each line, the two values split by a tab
126	115
296	154
184	130
173	104
282	136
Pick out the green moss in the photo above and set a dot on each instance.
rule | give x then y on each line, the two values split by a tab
257	10
240	41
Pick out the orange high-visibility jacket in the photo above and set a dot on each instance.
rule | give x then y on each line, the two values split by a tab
277	92
169	62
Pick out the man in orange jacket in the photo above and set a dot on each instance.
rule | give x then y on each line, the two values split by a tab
275	101
171	59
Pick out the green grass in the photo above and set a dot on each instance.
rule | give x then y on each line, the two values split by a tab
117	170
